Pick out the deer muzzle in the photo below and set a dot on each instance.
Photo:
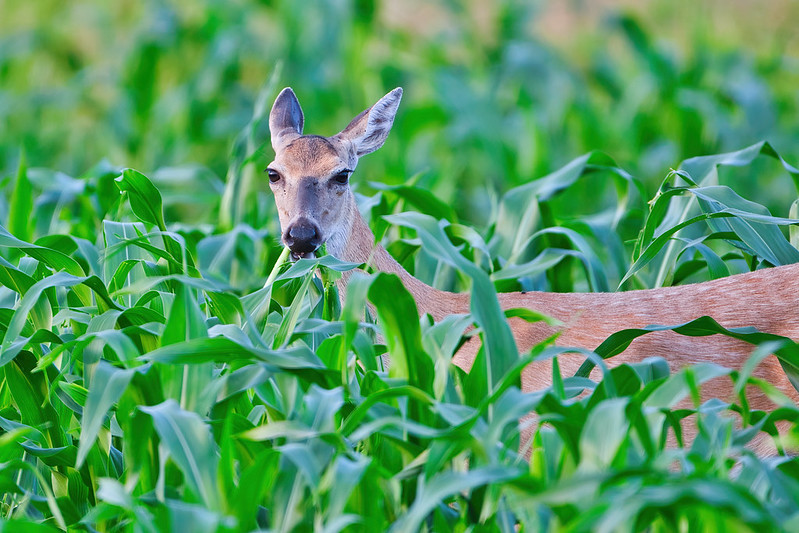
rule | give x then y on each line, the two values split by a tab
302	237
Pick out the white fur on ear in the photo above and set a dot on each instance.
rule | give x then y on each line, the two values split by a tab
368	131
286	119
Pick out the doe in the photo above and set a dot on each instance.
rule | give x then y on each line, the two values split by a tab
310	180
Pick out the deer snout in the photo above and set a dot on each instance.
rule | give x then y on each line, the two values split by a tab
302	237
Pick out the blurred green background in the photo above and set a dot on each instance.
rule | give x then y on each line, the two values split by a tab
496	93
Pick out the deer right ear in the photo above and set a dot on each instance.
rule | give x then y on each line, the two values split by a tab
285	119
368	131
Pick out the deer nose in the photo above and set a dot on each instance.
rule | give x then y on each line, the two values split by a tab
302	237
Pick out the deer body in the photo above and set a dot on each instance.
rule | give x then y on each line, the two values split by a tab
310	180
765	299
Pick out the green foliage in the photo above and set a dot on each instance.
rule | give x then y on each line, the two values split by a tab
162	369
153	394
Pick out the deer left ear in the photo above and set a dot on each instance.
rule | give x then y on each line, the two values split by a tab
368	131
285	119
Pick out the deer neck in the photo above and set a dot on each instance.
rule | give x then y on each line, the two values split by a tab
355	243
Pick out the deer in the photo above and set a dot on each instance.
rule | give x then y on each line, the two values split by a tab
310	180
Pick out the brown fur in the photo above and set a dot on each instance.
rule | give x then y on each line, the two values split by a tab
765	299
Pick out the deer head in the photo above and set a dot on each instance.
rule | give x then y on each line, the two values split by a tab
310	174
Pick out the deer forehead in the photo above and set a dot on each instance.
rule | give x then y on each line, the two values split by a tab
314	155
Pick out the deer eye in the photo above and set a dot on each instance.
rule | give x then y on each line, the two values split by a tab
342	177
274	177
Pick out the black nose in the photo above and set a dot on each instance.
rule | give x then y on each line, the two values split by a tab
302	237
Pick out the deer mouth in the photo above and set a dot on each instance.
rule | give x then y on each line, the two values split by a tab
295	256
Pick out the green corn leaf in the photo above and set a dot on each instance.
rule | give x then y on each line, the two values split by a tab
190	444
145	200
221	349
397	312
28	390
753	224
107	385
52	258
603	433
788	354
446	484
292	316
21	203
501	352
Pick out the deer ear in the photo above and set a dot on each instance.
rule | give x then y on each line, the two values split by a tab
368	131
285	119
